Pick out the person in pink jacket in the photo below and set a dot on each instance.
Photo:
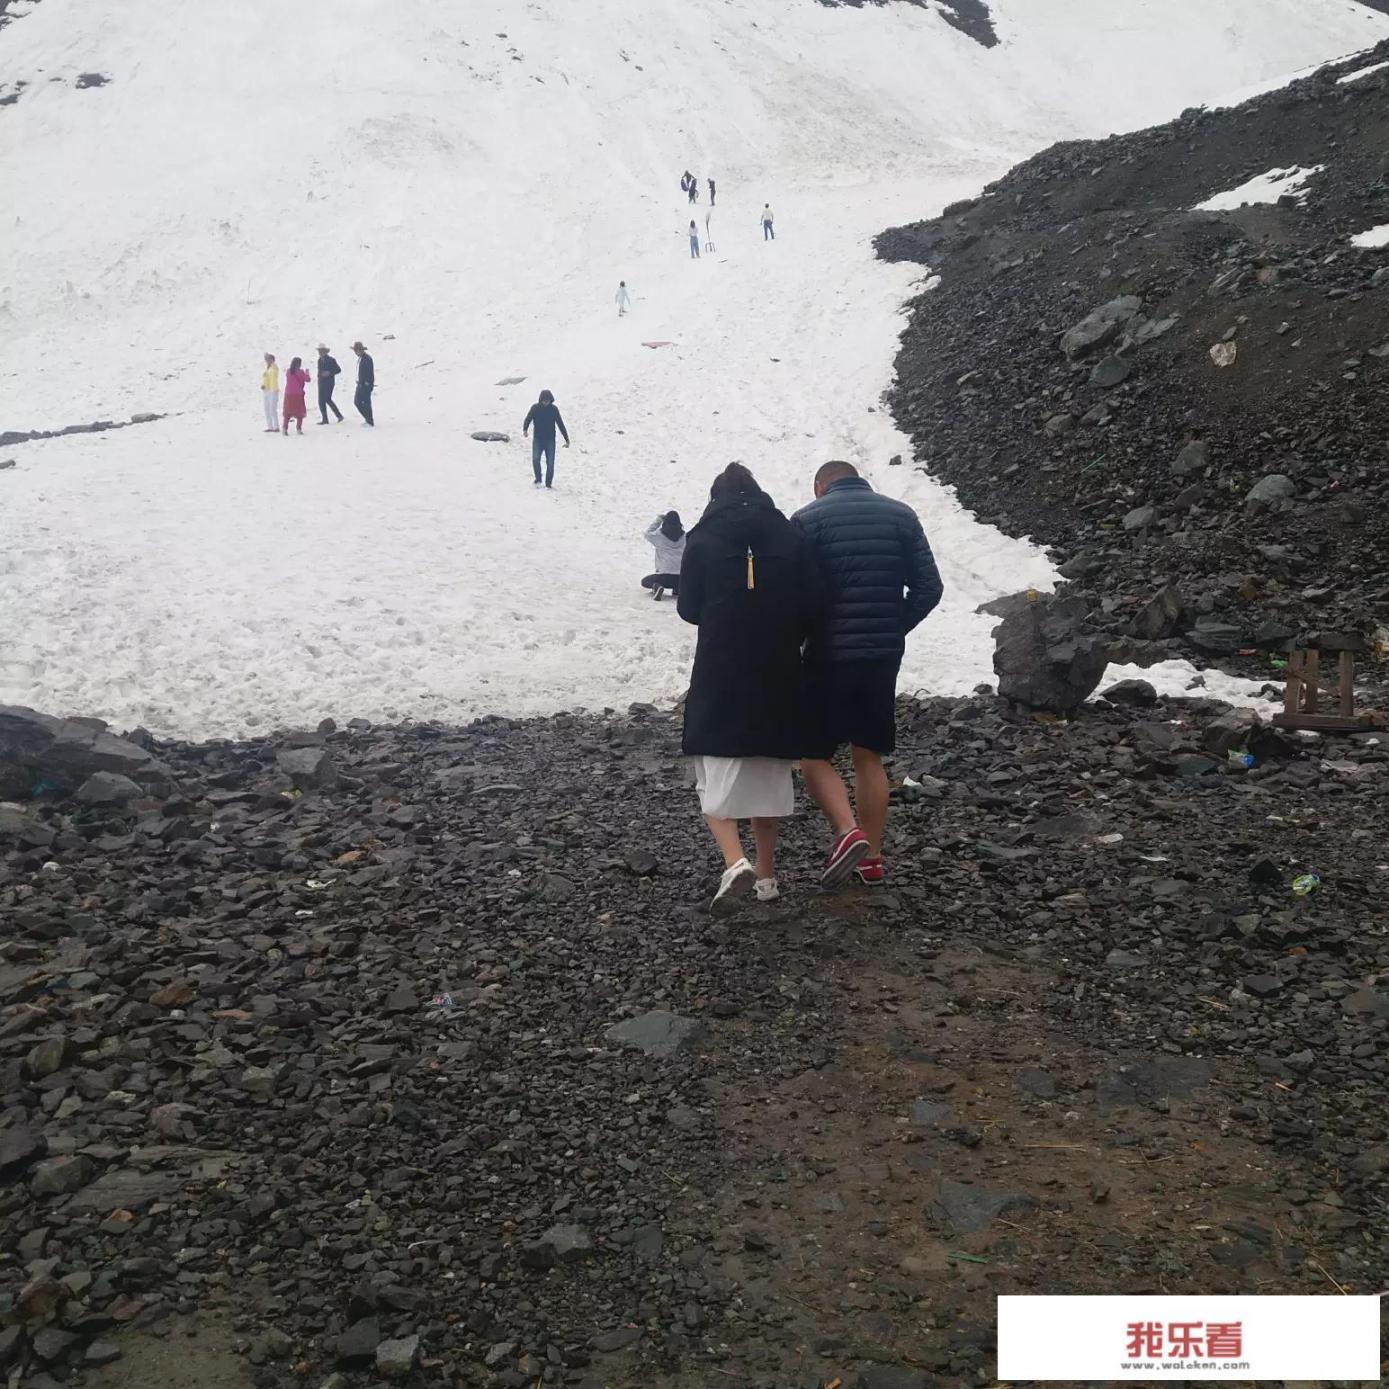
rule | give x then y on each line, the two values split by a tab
296	378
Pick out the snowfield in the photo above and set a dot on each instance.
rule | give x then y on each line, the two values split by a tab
462	187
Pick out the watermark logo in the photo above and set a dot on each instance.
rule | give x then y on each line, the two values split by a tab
1236	1338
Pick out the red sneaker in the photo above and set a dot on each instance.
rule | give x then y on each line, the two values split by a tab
870	872
846	853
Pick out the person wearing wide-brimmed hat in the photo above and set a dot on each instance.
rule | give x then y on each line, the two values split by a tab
327	374
366	382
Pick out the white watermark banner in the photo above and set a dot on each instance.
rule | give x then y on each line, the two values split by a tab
1239	1338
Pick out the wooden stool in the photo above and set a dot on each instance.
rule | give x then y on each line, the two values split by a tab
1301	699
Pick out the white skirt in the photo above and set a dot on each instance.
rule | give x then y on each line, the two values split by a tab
739	788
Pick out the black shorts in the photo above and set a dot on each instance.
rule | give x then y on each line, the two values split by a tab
852	702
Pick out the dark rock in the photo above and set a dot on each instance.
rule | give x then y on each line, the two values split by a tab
1262	985
490	436
618	1339
60	1176
108	788
1110	372
1138	693
39	753
968	1209
1099	327
357	1345
1140	518
1046	658
395	1359
657	1033
309	769
1159	616
1037	1082
1192	458
1273	488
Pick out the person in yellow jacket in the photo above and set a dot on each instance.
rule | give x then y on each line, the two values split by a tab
270	393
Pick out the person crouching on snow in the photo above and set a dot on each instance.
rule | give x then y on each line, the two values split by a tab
750	583
667	537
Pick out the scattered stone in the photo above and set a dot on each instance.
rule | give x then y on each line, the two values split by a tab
1110	372
357	1345
1137	693
968	1209
657	1033
309	769
490	436
1140	518
108	788
1099	327
1275	487
39	753
618	1339
61	1176
395	1359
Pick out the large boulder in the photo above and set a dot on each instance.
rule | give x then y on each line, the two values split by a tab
1045	656
39	753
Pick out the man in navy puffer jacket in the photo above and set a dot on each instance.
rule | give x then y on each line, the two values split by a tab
881	580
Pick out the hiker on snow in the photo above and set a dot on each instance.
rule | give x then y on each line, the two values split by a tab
694	190
667	537
711	192
327	374
545	416
270	394
685	180
296	379
749	582
366	383
623	298
694	240
768	232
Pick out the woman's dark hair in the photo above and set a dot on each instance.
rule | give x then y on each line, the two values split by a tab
547	397
671	527
296	364
733	480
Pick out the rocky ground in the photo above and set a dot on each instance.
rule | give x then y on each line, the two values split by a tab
1089	1039
1060	374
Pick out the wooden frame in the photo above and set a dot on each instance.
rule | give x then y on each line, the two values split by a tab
1302	696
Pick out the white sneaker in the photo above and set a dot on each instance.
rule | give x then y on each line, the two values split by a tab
736	883
766	890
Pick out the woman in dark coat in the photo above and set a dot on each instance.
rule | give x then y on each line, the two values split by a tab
750	583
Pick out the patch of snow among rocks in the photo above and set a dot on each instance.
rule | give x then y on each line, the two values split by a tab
1263	188
1373	239
1361	72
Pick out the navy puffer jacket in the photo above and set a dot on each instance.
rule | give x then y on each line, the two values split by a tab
880	576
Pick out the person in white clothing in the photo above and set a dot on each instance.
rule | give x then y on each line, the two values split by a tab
667	537
768	233
270	394
623	298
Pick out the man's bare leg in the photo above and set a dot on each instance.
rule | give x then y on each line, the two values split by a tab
871	797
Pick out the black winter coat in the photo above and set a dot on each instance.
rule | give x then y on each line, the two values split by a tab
747	695
545	418
327	369
366	370
880	576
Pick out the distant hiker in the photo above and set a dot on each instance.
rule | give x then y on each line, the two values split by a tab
694	240
667	537
711	192
366	382
296	379
694	190
768	232
708	235
624	299
327	373
880	580
545	417
270	394
750	584
685	180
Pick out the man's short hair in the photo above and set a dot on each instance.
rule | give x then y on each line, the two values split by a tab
833	471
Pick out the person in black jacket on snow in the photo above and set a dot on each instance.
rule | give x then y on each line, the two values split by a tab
327	375
881	580
748	581
366	383
545	417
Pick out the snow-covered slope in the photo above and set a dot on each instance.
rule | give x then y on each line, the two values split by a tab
462	186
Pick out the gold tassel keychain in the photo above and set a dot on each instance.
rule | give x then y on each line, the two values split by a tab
752	576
